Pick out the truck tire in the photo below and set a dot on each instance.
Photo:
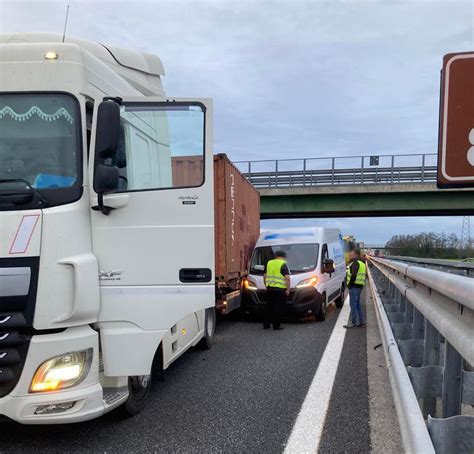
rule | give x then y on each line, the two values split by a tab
339	301
209	329
321	315
138	389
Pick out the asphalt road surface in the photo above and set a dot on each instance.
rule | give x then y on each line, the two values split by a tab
243	395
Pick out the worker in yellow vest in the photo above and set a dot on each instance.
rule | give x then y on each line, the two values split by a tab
356	275
277	281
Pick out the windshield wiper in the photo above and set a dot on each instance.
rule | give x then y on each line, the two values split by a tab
38	194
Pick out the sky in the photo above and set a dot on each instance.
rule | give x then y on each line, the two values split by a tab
290	78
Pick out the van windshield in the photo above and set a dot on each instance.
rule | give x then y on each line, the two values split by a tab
301	258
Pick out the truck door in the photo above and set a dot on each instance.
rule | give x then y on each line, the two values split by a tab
153	234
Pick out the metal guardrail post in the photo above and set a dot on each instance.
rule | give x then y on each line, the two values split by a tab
452	383
362	171
418	325
430	358
431	353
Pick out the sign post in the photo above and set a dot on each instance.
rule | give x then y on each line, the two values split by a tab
456	126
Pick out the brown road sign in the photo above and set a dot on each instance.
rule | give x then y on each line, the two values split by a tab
456	136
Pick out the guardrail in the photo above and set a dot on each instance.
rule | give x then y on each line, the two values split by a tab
450	266
343	170
431	316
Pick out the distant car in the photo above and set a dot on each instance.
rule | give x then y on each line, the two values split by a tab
315	257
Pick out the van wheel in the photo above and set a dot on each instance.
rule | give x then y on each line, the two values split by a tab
321	315
138	390
339	301
209	329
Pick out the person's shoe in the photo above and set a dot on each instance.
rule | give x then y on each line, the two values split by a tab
350	325
267	326
279	328
361	325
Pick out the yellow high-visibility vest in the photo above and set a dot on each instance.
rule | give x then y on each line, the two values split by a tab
274	276
360	276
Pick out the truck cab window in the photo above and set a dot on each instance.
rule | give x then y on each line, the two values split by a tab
40	147
160	147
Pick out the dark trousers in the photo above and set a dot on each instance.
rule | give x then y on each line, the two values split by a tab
276	301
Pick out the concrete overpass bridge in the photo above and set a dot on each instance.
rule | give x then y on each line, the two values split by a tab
354	186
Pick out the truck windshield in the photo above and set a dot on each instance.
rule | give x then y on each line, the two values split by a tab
39	150
301	258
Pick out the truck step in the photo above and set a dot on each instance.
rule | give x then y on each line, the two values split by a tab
114	396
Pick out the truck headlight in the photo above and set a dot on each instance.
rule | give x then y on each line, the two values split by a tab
250	285
310	282
62	371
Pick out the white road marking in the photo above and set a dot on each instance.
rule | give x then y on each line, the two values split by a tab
307	431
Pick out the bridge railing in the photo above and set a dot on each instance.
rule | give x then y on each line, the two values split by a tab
341	170
429	315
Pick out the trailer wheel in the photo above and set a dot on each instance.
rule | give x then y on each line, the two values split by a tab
339	301
321	315
209	328
138	389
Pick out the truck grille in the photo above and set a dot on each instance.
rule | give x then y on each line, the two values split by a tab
16	321
13	350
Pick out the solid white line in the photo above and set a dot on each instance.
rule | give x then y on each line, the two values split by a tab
307	431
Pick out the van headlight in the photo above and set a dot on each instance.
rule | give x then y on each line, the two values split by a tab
310	282
62	371
250	285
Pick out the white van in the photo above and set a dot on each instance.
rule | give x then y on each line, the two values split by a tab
315	258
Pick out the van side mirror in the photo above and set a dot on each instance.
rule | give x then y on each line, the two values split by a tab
106	176
328	266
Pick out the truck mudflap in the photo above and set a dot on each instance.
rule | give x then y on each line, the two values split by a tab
229	302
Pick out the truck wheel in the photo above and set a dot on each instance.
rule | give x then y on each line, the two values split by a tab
340	299
321	315
209	329
138	389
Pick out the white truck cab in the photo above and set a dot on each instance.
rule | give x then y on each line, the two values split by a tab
315	259
106	256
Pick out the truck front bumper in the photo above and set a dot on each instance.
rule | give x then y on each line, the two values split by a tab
85	399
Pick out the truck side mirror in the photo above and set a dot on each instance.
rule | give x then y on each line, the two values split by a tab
328	266
106	176
108	130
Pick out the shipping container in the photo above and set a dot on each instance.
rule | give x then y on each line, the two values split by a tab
237	223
